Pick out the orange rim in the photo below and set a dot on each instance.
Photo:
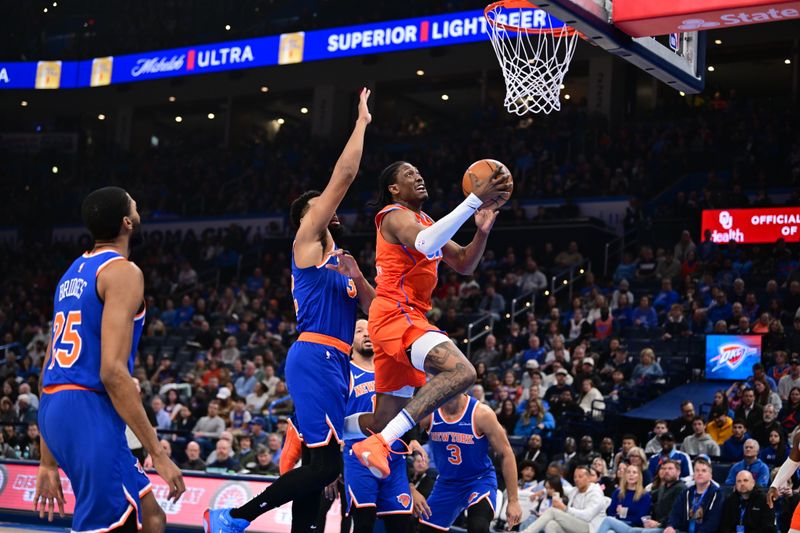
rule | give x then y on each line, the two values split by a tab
523	4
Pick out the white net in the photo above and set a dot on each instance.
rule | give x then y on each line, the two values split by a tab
534	62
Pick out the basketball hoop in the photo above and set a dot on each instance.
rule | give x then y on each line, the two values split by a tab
534	51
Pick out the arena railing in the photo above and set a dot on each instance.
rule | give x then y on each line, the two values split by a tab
522	304
615	248
484	325
566	278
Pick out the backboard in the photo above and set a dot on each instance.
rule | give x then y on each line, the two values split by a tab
676	59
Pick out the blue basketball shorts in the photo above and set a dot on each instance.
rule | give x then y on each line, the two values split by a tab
87	438
388	496
318	378
449	498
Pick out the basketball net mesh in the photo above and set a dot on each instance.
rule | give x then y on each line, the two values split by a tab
534	63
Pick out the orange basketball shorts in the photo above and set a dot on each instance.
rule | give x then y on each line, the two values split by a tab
795	524
393	328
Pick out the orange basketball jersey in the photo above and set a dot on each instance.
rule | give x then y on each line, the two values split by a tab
404	274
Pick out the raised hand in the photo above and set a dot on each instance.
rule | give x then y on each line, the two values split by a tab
346	264
363	108
484	219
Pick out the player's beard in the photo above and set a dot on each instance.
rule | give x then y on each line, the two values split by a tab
366	352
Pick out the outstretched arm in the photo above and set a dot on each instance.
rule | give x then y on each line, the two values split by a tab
486	423
465	259
319	215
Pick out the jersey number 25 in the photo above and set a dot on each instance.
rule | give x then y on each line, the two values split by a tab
65	333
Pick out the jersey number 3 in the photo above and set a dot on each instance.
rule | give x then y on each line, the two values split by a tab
455	454
65	332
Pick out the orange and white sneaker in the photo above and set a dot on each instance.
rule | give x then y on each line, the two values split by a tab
292	449
373	452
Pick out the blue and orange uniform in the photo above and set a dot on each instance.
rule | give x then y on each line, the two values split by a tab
466	473
390	495
404	286
77	420
318	363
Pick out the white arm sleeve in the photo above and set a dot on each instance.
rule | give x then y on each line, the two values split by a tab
432	238
788	468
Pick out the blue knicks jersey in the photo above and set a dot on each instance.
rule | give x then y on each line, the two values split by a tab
362	400
325	301
460	454
77	319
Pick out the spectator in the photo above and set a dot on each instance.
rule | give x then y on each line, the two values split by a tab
493	303
767	423
698	508
629	503
230	352
535	419
776	451
209	427
532	279
629	441
748	409
6	451
535	351
700	442
264	465
26	412
654	444
681	426
668	451
623	289
751	463
193	461
489	354
563	458
645	316
245	384
224	462
789	415
663	497
246	455
720	309
507	416
421	476
274	447
791	380
257	399
257	432
583	513
239	417
566	409
675	325
733	448
554	393
765	396
647	371
760	374
163	419
746	509
535	455
668	267
720	402
553	489
569	257
684	246
646	267
626	270
591	399
665	299
720	428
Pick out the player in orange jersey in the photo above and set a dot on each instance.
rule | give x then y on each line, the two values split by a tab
408	250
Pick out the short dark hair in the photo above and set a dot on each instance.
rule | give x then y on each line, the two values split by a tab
629	436
299	207
700	418
102	212
661	422
388	176
740	421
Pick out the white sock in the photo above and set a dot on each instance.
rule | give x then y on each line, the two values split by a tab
399	426
352	429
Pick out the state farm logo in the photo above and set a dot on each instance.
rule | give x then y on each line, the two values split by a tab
725	220
732	356
230	495
742	17
730	234
192	496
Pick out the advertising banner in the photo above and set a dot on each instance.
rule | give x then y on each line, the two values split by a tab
748	226
185	229
18	486
642	19
731	357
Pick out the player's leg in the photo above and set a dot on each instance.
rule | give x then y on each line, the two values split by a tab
397	523
794	526
153	518
364	519
479	517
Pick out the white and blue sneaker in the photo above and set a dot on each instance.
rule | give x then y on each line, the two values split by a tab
221	521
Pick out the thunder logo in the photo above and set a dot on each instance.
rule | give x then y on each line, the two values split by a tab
732	355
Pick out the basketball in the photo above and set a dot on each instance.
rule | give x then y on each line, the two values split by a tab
483	170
